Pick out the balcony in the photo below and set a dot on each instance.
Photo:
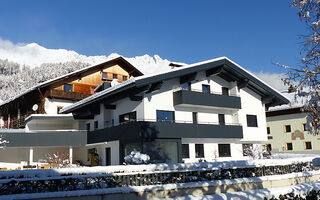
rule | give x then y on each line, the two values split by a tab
74	96
19	138
152	129
206	100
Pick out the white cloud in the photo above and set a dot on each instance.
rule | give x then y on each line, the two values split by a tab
274	80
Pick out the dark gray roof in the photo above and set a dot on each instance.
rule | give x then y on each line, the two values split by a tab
223	66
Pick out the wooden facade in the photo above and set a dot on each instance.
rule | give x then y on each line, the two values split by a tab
74	87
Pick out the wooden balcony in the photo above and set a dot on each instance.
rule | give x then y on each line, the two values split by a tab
74	96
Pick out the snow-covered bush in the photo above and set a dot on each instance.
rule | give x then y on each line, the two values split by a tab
137	158
256	152
58	159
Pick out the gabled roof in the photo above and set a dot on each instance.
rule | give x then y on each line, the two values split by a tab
52	83
223	67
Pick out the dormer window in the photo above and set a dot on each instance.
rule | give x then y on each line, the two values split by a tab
225	91
68	87
104	76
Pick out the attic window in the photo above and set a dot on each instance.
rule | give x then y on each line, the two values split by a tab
67	88
104	76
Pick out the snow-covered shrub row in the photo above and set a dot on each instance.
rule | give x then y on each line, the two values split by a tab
173	167
98	181
310	195
137	158
15	79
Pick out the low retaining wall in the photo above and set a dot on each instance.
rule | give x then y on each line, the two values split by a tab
176	190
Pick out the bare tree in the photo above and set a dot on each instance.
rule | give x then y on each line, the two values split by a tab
306	78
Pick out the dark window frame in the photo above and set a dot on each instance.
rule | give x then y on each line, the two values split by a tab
289	146
163	112
222	119
222	147
268	130
195	117
114	76
206	88
252	121
66	89
185	86
124	78
307	146
287	128
225	91
185	151
128	117
199	150
96	125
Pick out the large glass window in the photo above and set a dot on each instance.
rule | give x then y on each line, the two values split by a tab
199	151
205	88
268	130
165	116
67	88
186	86
252	121
185	151
161	151
132	116
224	150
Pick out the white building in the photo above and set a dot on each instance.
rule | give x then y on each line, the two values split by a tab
205	111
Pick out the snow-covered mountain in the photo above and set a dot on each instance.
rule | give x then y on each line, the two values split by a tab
34	55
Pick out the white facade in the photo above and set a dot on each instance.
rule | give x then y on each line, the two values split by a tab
162	99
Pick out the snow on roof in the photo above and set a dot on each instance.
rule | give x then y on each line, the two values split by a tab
55	79
298	102
136	79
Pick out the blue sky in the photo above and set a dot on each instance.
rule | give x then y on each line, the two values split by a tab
252	33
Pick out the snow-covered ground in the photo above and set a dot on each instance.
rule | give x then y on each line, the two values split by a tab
156	167
300	189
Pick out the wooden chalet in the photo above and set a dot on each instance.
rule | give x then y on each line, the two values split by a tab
50	96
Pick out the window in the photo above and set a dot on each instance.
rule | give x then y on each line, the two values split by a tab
289	146
114	76
221	119
304	127
185	151
96	125
124	78
59	108
165	116
199	151
287	128
195	117
104	76
205	88
91	153
308	145
246	149
67	87
269	147
268	130
224	150
225	91
186	86
88	126
132	116
252	121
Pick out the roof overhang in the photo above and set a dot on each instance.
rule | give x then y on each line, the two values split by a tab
222	67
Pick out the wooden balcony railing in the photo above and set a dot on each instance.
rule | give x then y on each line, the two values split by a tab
60	94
